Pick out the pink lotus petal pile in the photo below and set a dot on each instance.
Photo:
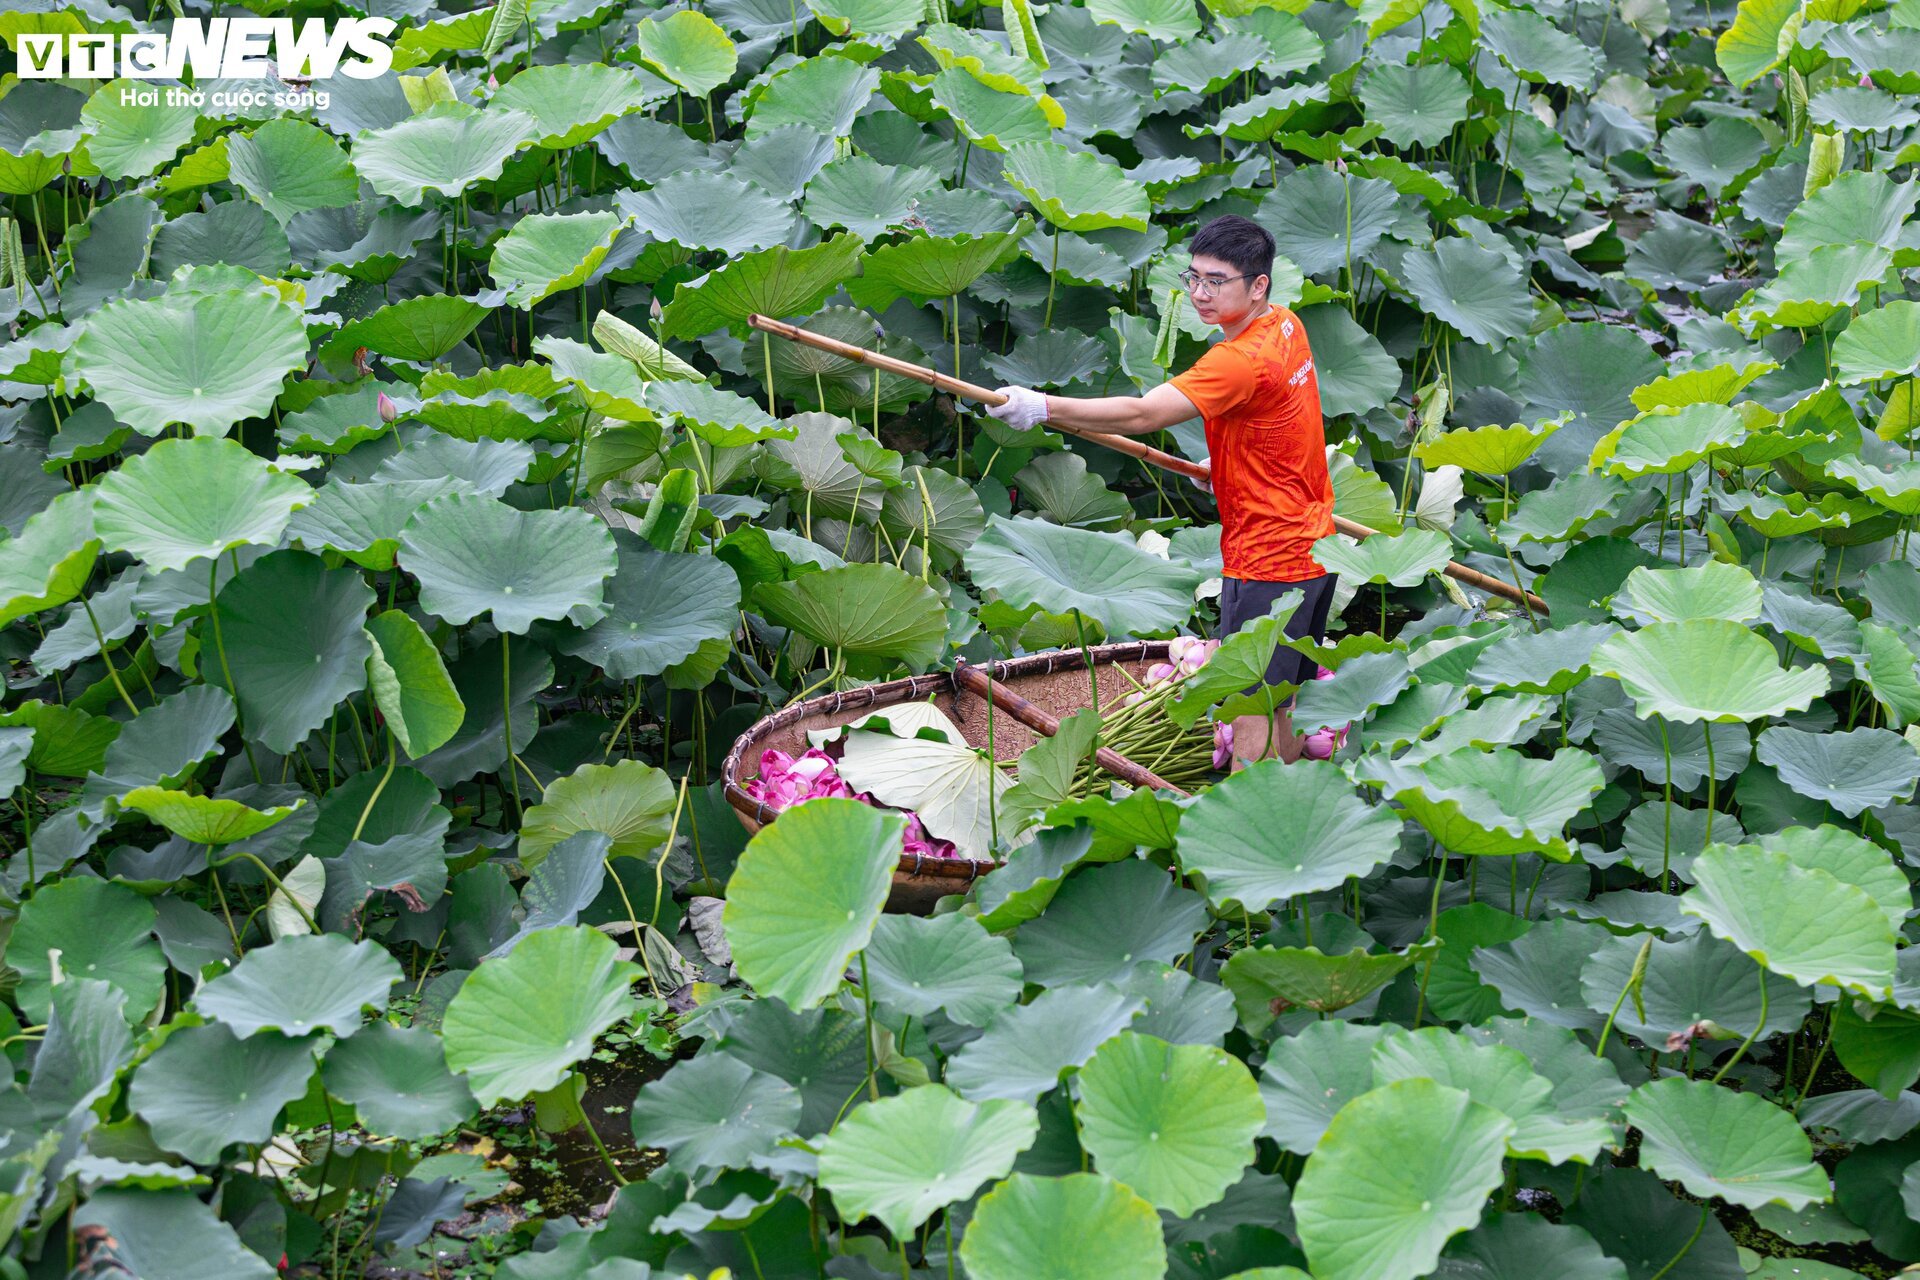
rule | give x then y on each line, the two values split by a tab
786	780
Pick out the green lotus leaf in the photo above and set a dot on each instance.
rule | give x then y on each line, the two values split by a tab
547	253
1551	662
519	1023
1176	1122
1666	441
861	610
1859	769
721	418
1266	116
1732	1146
805	895
774	282
1273	831
1103	922
52	559
299	985
1361	684
823	93
1490	450
1493	802
474	555
206	1088
1079	1227
1401	560
901	1159
1715	383
868	17
293	644
1356	374
1308	216
955	789
1415	105
690	49
1266	981
14	746
1472	288
67	742
661	608
1890	672
101	931
990	118
1024	1051
928	267
1804	924
865	196
1786	514
1714	155
651	360
1499	1077
209	820
1882	344
698	210
1752	46
1811	289
1103	576
410	684
1698	978
1861	206
943	964
1896	488
397	1081
422	329
1308	1078
714	1114
1849	858
206	362
1509	1246
445	149
573	102
1400	1170
629	802
363	521
125	140
1538	973
195	499
161	1230
1705	669
1076	191
1710	590
1539	51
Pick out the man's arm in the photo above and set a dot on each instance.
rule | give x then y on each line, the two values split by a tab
1162	407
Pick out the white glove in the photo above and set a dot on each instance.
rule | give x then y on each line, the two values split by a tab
1024	409
1204	486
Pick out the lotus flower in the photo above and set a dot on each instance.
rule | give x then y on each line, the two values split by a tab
1196	656
388	410
1160	671
785	781
1222	745
1178	646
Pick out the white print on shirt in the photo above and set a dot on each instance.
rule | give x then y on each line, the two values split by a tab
1286	328
1300	375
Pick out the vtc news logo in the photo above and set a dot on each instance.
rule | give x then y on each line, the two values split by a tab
231	48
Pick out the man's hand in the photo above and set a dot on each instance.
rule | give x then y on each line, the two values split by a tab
1024	409
1204	486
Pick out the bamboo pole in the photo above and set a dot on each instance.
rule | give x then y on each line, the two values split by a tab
1047	725
1123	444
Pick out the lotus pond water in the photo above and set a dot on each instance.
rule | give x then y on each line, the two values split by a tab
402	520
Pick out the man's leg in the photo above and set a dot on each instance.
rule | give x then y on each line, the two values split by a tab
1260	737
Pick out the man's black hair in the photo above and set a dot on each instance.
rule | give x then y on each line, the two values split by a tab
1240	241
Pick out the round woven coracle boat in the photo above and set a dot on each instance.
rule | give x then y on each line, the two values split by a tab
1054	681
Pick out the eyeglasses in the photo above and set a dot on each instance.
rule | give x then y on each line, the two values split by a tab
1206	286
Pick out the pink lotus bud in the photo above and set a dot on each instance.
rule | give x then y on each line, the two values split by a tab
1196	658
1323	674
1178	646
1160	671
1133	699
1222	745
388	409
1320	746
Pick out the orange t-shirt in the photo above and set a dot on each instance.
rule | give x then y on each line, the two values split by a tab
1260	398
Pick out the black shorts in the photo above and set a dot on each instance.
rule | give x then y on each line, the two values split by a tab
1243	601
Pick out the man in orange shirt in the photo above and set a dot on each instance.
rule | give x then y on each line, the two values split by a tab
1257	392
